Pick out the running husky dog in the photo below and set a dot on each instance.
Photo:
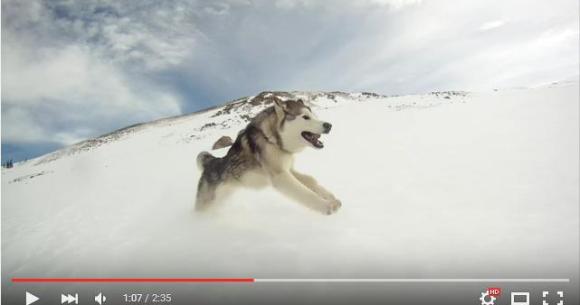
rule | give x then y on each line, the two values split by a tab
263	154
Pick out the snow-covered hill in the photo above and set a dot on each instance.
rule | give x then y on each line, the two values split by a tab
445	184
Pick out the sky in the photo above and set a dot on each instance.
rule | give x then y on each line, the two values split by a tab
72	70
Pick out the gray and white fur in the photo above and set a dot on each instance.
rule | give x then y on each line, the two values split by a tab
263	155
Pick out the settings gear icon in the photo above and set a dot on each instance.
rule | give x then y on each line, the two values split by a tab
485	295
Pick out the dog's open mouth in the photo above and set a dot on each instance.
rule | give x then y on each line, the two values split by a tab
313	139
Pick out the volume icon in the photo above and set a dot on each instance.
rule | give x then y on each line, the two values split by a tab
100	298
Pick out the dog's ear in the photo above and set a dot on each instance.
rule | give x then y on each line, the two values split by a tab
301	101
280	107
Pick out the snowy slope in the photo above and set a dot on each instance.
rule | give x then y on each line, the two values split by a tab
437	185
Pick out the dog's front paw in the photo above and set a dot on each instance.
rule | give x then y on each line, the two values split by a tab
328	196
332	206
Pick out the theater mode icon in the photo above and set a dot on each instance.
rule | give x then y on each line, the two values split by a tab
520	298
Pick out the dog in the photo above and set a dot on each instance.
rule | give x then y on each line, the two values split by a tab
263	155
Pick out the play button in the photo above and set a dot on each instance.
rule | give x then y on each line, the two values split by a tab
30	298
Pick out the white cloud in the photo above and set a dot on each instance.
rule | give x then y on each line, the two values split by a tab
338	4
18	126
490	25
70	84
125	61
397	4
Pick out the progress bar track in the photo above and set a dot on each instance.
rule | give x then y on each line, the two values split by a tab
281	280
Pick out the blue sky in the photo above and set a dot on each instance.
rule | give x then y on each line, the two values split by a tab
72	70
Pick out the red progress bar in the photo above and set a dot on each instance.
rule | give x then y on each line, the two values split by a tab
133	280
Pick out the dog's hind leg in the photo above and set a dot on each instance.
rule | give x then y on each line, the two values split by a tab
205	195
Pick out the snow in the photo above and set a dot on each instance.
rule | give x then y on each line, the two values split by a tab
436	185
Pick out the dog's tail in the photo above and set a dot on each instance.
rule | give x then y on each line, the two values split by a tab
203	159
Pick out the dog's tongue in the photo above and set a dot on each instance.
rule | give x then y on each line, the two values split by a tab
314	139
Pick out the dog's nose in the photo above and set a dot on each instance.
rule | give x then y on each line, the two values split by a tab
327	126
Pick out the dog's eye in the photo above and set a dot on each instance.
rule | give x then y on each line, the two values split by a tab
306	117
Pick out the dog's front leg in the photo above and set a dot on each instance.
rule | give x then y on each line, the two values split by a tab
289	185
312	184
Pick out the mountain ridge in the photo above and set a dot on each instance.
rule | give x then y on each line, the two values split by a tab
245	107
242	106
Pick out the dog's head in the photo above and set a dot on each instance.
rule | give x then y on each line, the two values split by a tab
298	125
